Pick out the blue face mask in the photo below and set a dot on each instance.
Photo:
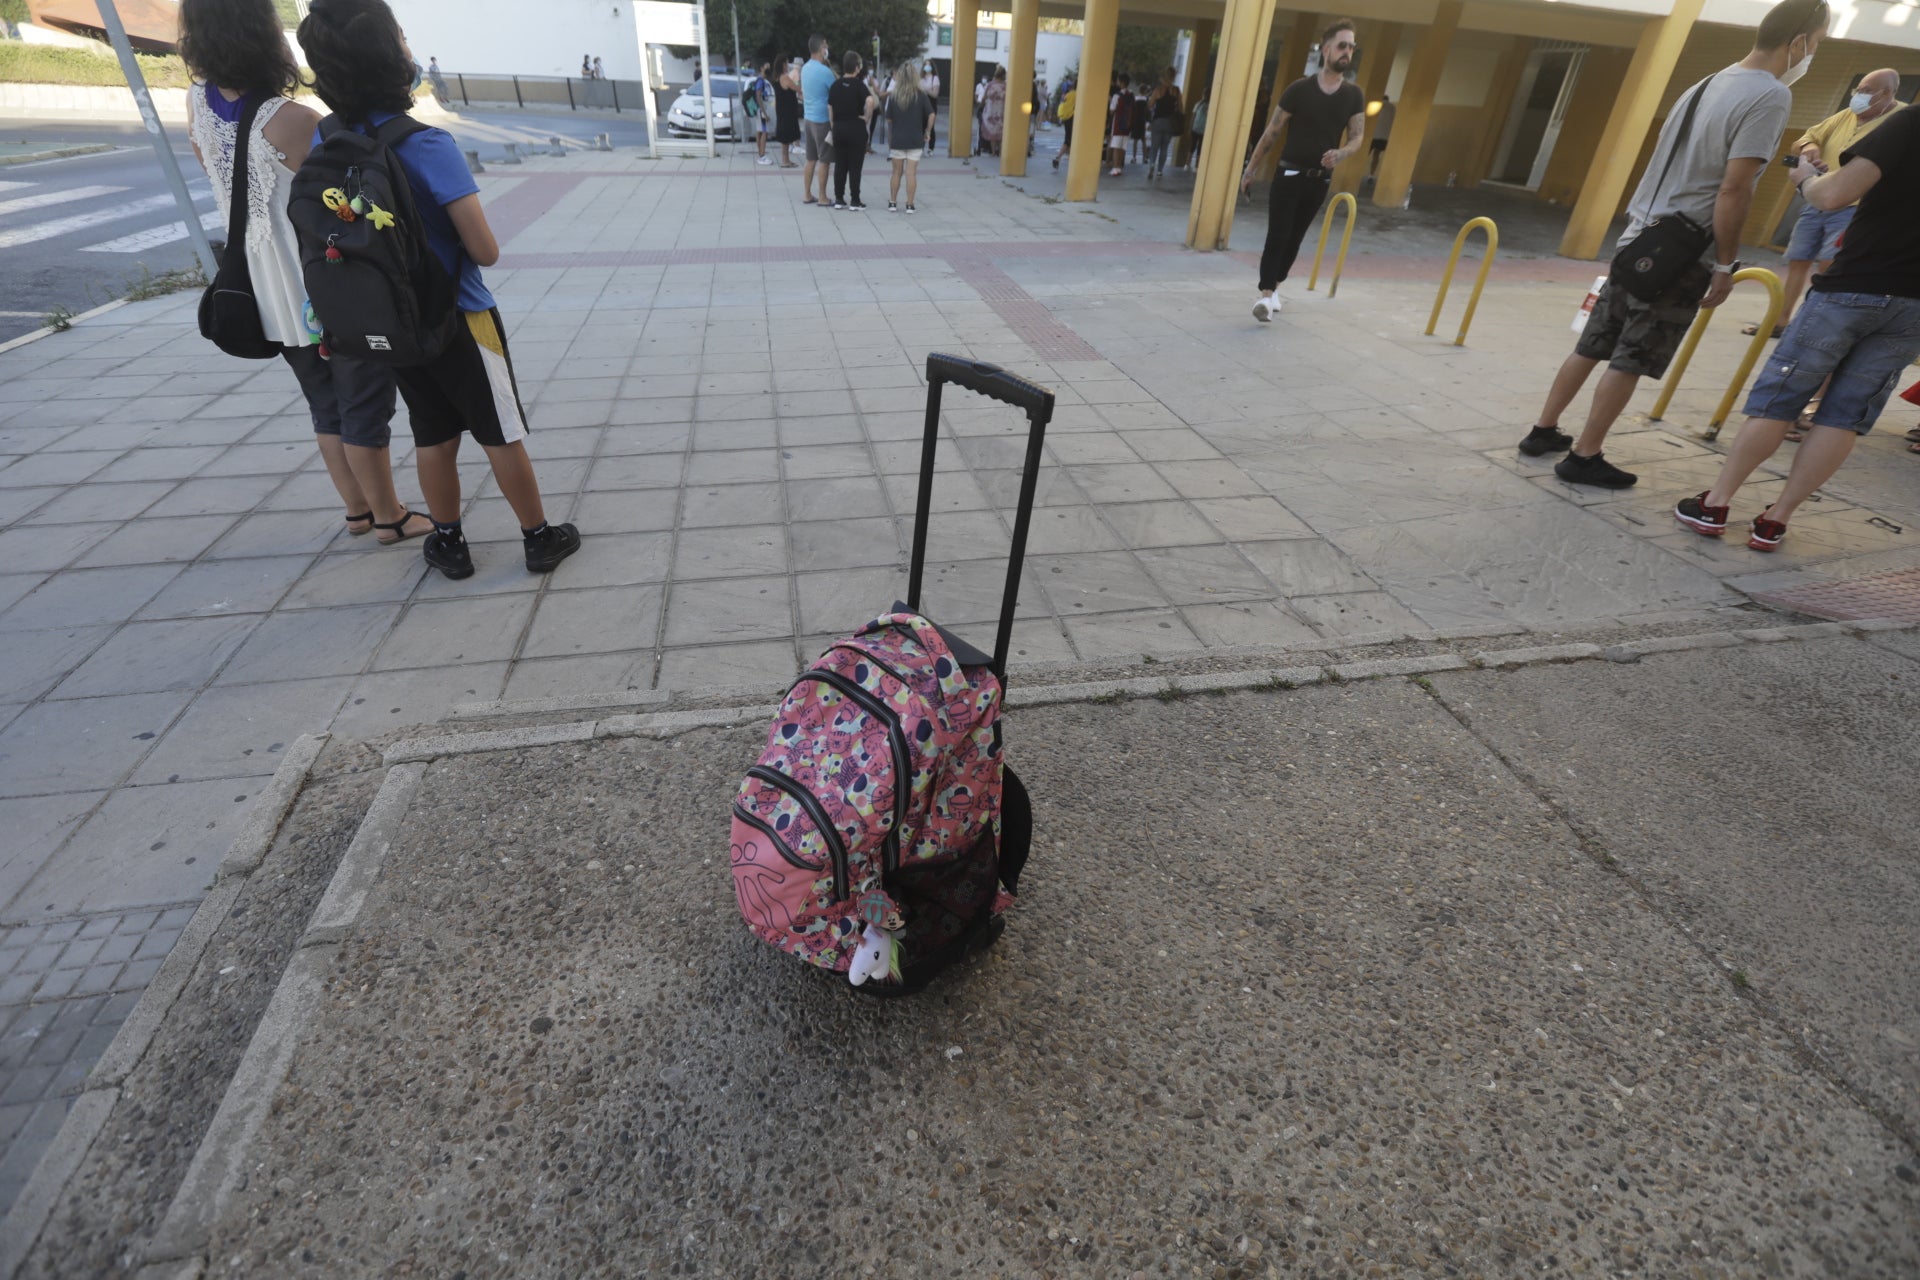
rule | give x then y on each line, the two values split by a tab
1860	103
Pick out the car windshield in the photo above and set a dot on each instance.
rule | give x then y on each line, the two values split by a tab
723	87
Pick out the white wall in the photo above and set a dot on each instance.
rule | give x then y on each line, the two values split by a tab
495	36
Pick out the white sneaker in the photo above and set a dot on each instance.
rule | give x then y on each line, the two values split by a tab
1268	307
764	160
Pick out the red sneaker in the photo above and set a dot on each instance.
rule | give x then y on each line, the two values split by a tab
1767	532
1699	517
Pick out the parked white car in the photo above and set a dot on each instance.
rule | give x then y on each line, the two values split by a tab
687	117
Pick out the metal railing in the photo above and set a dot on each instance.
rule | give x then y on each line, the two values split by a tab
1479	281
1352	207
1762	335
572	92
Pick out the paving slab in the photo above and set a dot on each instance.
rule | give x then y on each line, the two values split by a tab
1413	1025
1798	871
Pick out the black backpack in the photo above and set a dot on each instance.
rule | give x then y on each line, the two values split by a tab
374	281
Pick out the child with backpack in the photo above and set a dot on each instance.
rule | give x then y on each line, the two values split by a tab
462	381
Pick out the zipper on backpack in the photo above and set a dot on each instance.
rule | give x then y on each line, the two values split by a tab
836	848
885	666
896	740
759	824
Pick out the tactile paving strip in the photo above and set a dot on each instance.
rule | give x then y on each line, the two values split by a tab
1883	595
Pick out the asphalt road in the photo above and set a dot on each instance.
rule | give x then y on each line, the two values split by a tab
78	232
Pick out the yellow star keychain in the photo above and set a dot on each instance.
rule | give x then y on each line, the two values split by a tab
379	217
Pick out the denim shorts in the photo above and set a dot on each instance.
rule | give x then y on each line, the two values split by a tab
1816	234
1865	340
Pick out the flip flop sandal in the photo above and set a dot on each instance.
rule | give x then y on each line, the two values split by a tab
1750	329
399	529
1914	447
1914	434
367	519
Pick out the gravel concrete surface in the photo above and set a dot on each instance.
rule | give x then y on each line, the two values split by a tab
1773	818
1303	984
122	1189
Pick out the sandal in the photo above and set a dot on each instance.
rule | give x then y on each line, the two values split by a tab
1914	447
1914	434
1750	329
399	528
365	519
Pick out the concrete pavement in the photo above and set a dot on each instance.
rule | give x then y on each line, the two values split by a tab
726	396
1479	972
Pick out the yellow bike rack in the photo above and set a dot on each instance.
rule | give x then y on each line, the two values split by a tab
1352	207
1776	298
1479	281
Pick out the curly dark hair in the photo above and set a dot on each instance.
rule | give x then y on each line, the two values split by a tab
237	44
360	64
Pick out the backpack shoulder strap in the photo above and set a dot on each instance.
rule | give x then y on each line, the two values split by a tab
397	130
1686	127
330	124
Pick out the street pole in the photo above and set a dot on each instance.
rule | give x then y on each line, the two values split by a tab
737	123
196	234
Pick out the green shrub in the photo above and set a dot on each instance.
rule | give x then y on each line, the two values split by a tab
45	64
13	11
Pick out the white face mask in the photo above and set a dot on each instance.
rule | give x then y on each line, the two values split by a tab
1798	69
1860	103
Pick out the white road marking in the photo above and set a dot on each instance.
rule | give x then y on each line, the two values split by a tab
82	221
21	204
140	241
14	186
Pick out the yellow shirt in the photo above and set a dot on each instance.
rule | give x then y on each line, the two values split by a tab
1066	104
1838	132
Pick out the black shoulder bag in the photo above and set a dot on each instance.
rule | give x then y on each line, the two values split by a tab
229	313
1649	264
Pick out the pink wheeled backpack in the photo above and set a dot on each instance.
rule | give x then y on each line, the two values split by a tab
881	834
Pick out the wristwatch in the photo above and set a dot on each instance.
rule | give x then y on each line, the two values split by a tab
1728	268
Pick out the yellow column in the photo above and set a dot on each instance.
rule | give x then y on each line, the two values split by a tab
1497	107
1619	150
959	86
1020	122
1294	52
1379	42
1097	30
1415	108
1194	85
1236	83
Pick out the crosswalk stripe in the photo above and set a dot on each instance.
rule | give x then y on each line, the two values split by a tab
81	221
14	186
22	203
153	238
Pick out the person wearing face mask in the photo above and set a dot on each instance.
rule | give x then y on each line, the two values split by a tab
1816	232
1718	137
1856	335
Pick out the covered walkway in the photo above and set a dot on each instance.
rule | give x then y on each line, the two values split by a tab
1555	103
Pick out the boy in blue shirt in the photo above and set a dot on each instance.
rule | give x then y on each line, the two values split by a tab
815	79
363	69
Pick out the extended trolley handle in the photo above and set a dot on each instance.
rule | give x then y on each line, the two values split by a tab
1037	403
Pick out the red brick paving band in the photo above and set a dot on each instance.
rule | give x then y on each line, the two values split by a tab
1893	595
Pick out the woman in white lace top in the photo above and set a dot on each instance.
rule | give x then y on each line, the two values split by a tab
237	52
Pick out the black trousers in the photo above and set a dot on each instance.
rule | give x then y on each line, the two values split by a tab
849	157
1291	205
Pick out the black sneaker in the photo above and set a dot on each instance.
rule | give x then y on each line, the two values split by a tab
1544	440
549	547
1699	517
1596	471
448	553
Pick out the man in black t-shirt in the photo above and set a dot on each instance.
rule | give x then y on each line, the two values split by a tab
1860	324
1329	116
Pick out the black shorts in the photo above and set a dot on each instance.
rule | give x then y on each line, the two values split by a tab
1378	144
468	387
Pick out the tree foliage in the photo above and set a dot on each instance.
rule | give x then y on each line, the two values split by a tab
772	29
13	11
1144	51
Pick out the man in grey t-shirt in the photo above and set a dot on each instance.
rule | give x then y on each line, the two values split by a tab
1735	131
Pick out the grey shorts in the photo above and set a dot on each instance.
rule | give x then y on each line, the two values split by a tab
352	399
819	140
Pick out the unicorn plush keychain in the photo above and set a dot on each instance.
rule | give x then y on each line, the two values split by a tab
877	957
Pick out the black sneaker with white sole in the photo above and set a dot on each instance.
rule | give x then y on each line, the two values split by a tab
1595	471
448	553
550	546
1544	440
